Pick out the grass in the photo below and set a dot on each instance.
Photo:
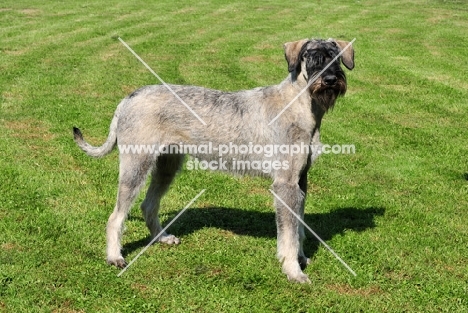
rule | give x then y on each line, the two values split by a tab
395	211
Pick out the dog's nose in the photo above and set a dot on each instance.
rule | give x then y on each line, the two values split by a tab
330	80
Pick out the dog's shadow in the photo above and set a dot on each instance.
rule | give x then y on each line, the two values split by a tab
262	224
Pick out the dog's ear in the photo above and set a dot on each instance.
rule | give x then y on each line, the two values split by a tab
348	55
291	52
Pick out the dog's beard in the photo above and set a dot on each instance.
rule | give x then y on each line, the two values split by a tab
324	95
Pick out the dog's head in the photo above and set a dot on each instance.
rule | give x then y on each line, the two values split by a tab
319	61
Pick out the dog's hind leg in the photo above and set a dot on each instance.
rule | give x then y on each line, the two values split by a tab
162	176
289	237
132	175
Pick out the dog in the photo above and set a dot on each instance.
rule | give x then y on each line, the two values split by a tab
153	115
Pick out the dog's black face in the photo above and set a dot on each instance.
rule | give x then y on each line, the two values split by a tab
323	69
319	61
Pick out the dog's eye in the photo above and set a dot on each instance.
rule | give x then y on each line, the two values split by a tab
309	54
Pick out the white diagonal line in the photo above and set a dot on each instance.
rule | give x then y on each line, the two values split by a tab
162	232
162	82
316	236
311	81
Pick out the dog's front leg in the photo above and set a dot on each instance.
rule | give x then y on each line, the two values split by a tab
303	260
289	241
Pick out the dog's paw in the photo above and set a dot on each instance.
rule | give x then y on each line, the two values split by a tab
169	239
118	262
299	278
294	272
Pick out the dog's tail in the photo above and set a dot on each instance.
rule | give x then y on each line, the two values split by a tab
107	147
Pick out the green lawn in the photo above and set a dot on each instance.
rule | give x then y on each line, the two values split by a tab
395	211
